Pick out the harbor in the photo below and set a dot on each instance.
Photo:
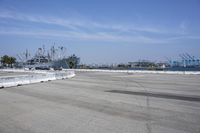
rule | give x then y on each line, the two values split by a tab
99	66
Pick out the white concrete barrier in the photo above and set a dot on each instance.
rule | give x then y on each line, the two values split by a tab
139	71
37	76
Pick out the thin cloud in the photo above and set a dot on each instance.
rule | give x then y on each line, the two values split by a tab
78	24
193	37
38	19
98	31
82	36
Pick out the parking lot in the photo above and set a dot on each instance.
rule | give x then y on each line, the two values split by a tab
103	102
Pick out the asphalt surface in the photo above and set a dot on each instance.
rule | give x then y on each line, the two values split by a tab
96	102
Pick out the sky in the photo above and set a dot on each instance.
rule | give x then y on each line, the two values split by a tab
102	31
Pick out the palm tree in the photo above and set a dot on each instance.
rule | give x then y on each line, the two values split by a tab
8	60
12	61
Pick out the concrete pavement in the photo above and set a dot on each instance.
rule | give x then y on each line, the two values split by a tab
97	102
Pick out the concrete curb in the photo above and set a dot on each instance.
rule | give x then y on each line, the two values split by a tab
140	71
34	78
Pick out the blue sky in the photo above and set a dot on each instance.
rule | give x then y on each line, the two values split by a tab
102	31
